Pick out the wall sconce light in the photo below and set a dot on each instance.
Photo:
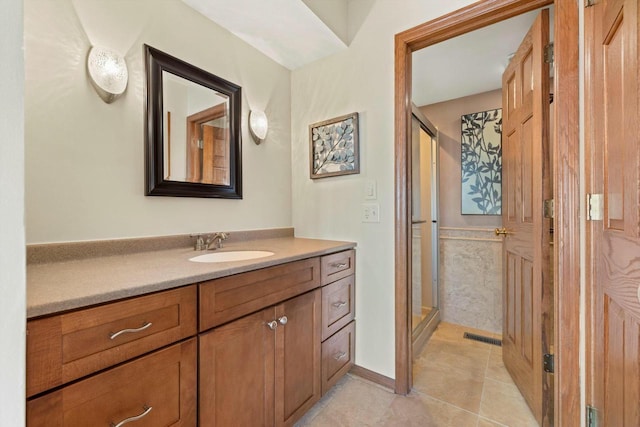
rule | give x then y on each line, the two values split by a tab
108	73
258	125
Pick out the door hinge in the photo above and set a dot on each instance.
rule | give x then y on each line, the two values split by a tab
592	416
548	53
595	207
547	363
548	208
200	144
589	3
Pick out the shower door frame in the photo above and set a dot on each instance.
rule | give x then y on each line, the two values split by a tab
421	333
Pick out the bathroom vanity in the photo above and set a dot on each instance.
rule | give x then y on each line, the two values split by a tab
244	343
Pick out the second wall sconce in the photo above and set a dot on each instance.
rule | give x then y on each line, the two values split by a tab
107	72
258	125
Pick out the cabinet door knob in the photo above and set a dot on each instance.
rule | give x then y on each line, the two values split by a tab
146	408
272	325
115	335
340	355
283	320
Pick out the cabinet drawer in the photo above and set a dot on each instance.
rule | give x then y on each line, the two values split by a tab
161	385
69	346
338	355
337	266
338	305
229	298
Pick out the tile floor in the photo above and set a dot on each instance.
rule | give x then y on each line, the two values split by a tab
457	383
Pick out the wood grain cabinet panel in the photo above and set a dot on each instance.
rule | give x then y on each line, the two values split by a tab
338	305
338	356
262	370
338	265
228	298
65	347
158	388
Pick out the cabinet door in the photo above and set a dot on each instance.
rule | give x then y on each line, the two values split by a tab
297	382
236	373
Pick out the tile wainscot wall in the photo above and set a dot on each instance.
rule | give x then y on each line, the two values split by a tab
471	277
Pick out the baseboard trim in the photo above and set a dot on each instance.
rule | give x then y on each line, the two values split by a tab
374	377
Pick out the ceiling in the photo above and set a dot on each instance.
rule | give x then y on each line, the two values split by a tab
288	31
468	64
312	29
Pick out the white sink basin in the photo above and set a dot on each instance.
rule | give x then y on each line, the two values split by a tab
230	256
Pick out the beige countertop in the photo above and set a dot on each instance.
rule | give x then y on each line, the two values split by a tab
63	285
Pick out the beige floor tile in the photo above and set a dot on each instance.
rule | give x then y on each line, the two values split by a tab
470	349
495	368
483	422
451	331
453	386
422	411
457	382
354	402
471	361
503	403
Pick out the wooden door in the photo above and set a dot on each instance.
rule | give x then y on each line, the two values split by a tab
526	183
215	155
614	374
298	370
236	373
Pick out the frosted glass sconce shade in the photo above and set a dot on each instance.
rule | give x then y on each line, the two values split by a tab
258	125
108	73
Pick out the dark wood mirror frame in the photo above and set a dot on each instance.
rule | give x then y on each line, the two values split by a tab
155	183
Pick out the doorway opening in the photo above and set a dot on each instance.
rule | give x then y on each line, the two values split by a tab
566	263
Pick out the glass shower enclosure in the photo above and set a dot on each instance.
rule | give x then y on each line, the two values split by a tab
424	225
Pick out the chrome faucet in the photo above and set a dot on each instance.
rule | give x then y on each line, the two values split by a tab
216	240
199	244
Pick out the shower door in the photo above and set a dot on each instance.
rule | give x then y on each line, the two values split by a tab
424	225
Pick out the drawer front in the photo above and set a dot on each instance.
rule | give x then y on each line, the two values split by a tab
229	298
337	266
338	305
158	388
338	355
69	346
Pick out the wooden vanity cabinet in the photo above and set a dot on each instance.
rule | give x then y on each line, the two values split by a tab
338	314
262	369
257	348
155	390
126	359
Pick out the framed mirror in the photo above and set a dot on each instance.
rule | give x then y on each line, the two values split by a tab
193	146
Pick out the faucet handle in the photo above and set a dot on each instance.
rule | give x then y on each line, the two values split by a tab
199	243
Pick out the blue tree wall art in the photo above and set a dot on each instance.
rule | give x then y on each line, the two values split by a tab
482	163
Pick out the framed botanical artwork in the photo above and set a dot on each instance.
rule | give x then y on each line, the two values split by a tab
333	147
481	163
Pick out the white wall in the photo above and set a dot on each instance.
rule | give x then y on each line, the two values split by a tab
85	158
358	79
12	258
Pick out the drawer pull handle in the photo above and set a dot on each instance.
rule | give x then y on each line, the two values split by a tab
129	331
146	408
340	355
283	320
272	325
339	264
339	304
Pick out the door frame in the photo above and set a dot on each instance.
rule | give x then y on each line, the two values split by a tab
566	168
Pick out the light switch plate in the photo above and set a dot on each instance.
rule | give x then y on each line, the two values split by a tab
370	190
370	212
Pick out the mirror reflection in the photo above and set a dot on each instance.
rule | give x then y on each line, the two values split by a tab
196	132
193	130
